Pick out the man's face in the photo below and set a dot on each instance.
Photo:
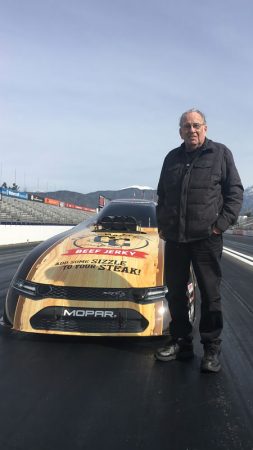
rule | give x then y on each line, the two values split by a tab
193	131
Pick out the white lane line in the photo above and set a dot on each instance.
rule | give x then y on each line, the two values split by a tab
237	255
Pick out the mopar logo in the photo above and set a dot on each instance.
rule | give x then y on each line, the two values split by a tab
89	313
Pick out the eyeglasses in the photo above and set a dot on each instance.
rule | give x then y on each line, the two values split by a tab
196	126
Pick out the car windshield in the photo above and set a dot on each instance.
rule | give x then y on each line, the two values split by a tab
144	214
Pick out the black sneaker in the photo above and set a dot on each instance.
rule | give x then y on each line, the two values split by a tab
176	349
210	361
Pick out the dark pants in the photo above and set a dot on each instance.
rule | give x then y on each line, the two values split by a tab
205	256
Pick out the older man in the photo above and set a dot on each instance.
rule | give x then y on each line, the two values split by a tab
199	196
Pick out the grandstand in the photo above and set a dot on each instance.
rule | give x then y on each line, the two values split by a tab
245	224
16	211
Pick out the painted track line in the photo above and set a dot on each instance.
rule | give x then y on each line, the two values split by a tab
240	256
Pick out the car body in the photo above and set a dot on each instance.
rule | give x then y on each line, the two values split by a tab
103	277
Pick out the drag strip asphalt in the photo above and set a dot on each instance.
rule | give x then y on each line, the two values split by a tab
110	393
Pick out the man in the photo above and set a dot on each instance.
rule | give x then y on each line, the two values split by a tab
199	196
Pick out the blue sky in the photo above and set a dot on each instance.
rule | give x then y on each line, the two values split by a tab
91	90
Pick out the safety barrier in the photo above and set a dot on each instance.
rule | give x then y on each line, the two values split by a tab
19	234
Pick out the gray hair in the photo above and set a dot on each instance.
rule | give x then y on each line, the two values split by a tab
182	118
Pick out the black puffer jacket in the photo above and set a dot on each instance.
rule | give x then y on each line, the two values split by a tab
194	197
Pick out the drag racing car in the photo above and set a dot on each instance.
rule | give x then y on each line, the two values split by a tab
103	277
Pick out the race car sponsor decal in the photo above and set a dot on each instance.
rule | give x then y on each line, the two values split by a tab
94	313
94	262
127	242
101	264
106	251
113	241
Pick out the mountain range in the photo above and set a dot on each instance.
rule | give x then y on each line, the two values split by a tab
91	200
247	206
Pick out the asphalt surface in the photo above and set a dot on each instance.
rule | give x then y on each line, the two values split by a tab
109	393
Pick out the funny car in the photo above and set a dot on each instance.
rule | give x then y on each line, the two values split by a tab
104	277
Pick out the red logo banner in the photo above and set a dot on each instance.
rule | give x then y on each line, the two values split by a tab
106	251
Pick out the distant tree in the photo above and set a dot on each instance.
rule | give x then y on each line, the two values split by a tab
248	213
4	185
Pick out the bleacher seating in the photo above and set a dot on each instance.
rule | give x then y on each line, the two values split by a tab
13	210
247	224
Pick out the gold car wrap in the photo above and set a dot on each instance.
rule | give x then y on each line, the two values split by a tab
28	308
102	259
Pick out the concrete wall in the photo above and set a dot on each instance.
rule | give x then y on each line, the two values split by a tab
18	234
